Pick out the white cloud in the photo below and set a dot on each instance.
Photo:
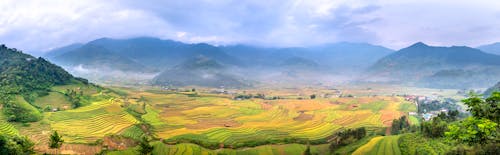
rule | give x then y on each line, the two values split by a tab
40	25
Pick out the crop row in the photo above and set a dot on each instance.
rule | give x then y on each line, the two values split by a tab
7	128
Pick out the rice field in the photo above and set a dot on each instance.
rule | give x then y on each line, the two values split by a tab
89	123
212	118
219	119
7	128
386	145
189	149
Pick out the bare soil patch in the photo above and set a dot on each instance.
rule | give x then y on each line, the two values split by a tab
211	123
304	117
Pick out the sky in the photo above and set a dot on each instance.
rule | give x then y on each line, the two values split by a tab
36	26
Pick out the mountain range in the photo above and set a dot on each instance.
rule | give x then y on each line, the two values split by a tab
172	62
491	48
490	90
153	55
442	67
199	71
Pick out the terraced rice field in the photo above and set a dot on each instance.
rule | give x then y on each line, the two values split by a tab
7	128
189	149
386	145
216	119
91	122
220	119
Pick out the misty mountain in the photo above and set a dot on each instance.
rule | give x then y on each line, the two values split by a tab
154	52
447	64
336	56
421	57
491	48
95	56
59	51
347	56
299	63
161	54
146	55
199	71
496	87
459	78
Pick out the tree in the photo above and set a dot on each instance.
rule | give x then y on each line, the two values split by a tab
473	131
482	128
144	147
488	108
13	145
56	141
313	96
308	150
435	128
400	125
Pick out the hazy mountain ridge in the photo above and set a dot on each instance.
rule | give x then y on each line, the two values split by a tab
61	50
200	71
459	78
443	67
493	48
421	64
490	90
422	56
157	53
95	56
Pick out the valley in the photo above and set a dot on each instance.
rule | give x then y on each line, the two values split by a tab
205	106
249	77
214	121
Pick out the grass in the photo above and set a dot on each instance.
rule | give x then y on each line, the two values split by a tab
387	145
374	106
349	149
34	113
407	107
152	117
55	100
415	143
134	132
414	120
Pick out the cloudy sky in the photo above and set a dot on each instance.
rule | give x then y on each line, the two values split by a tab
40	25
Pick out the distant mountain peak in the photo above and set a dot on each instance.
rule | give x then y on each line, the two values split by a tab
493	48
419	44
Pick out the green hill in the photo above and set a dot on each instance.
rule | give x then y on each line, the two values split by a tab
23	78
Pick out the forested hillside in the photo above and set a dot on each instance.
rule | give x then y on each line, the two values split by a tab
23	78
